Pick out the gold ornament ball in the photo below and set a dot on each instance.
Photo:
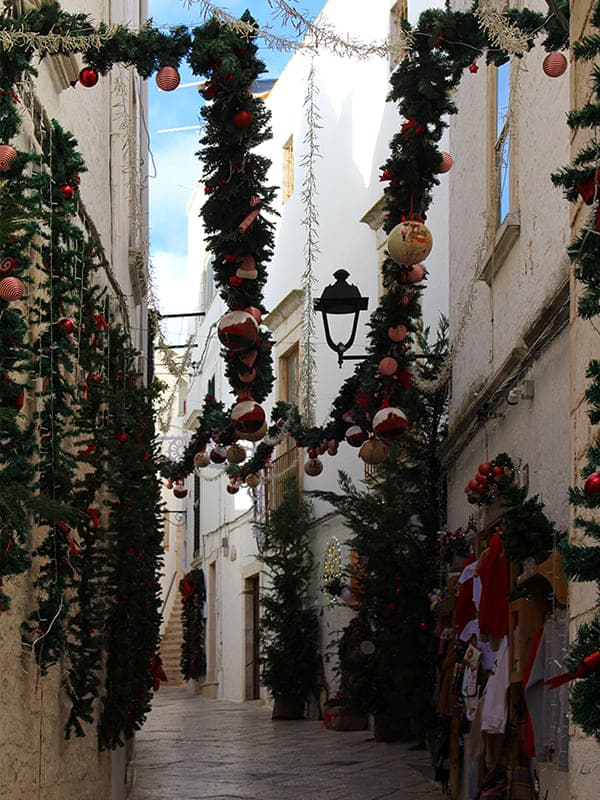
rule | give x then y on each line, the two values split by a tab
409	242
252	480
313	467
373	451
236	454
201	459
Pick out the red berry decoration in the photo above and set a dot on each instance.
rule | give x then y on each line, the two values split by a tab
167	79
67	191
7	156
554	65
242	119
11	289
484	468
592	485
7	264
447	162
88	77
389	424
238	331
68	325
122	437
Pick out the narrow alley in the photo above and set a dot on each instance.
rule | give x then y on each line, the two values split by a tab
193	748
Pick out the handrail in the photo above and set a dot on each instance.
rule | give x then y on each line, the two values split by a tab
166	600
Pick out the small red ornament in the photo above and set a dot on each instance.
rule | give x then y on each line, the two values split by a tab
167	79
484	468
242	119
11	289
592	485
7	156
386	175
235	281
122	437
389	424
7	264
447	162
423	625
88	77
96	378
473	68
311	452
209	90
208	189
398	333
388	366
20	401
67	191
554	65
232	488
68	325
415	274
473	485
332	447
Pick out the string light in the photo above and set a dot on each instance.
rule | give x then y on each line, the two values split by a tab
332	563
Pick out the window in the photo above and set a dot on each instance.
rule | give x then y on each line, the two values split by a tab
210	388
182	392
287	179
398	13
502	144
288	371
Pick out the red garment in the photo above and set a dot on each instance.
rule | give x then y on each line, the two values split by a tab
465	609
529	743
493	607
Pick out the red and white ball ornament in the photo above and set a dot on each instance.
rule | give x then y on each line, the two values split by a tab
238	331
167	79
236	454
247	417
7	156
390	423
373	451
313	467
592	485
218	455
355	436
258	435
232	488
11	289
179	489
7	264
409	242
554	65
201	459
88	77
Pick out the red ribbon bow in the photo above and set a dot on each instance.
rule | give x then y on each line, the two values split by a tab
101	323
589	665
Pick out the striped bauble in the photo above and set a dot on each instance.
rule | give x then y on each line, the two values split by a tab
167	79
7	156
11	289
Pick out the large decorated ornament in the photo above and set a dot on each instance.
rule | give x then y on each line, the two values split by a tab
355	436
88	77
11	289
179	489
313	467
389	423
236	454
167	79
238	331
218	455
373	451
7	156
201	459
254	312
255	437
409	242
554	65
247	417
592	485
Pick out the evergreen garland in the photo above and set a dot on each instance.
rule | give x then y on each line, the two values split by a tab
289	629
526	530
192	588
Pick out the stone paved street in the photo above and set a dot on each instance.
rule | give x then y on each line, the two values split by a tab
192	748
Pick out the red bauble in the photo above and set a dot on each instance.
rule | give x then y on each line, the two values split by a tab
88	77
312	452
68	325
332	447
7	264
447	162
11	289
473	485
121	437
167	79
7	156
242	119
554	65
235	281
254	312
232	488
398	333
218	455
592	485
389	424
97	378
355	436
388	366
209	90
423	625
473	68
67	191
415	273
484	468
238	331
247	417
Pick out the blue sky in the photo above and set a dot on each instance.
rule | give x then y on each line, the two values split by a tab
177	168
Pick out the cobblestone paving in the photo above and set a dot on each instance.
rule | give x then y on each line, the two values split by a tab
192	748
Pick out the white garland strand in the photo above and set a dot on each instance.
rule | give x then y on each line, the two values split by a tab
310	222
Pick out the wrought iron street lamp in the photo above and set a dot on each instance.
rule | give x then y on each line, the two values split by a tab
341	297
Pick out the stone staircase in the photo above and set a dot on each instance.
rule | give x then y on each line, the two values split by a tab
170	647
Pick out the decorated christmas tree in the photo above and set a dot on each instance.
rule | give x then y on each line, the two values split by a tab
289	629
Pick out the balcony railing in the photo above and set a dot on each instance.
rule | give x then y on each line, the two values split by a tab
287	465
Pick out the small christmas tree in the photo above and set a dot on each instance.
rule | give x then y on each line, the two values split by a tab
289	631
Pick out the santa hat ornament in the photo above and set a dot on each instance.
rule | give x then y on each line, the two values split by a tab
247	417
409	242
389	423
247	269
237	330
167	79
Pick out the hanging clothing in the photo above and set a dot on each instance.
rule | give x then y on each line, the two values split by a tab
495	698
465	609
488	656
493	609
